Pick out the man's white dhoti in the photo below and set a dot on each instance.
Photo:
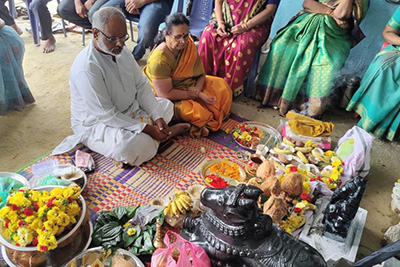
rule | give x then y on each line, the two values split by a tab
123	145
111	103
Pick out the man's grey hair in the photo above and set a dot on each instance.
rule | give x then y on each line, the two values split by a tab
101	16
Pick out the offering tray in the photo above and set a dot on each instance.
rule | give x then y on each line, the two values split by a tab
60	256
205	170
268	132
86	258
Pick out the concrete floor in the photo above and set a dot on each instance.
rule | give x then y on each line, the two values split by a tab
37	129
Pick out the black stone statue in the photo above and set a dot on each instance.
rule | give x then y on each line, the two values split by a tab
235	233
343	207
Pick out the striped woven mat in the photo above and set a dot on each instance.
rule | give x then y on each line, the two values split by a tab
176	166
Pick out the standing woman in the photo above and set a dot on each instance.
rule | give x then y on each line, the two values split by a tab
377	100
306	56
175	72
228	44
14	91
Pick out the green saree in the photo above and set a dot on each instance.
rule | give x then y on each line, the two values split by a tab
305	58
377	100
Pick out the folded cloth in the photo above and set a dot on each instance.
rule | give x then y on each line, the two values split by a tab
84	161
308	126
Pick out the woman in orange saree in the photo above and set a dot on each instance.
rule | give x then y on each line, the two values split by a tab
175	72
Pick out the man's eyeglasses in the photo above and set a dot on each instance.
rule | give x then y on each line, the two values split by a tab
180	37
114	39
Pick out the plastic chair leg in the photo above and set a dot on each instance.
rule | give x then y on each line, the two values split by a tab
83	36
34	24
252	75
13	11
63	23
131	26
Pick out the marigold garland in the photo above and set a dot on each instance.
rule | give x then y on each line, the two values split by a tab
35	218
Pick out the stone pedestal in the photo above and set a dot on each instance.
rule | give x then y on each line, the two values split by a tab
335	253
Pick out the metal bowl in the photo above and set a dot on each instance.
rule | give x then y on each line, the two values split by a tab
269	131
208	164
86	257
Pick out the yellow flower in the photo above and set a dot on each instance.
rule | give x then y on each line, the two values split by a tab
235	135
248	138
13	227
25	236
300	205
13	216
4	212
131	231
330	153
128	223
310	143
306	187
56	192
336	163
335	175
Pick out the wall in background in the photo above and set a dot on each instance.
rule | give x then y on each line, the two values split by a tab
361	56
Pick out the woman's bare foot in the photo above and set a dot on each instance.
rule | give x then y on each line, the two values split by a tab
205	132
50	45
179	128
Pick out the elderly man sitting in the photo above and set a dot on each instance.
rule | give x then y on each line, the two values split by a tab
113	110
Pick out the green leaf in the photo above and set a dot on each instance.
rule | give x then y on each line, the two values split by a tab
148	242
134	250
128	240
119	212
110	233
131	211
138	242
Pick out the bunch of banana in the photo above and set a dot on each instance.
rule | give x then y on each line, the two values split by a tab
301	156
181	203
288	142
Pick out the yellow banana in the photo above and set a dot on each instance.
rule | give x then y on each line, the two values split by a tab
181	208
320	156
180	193
167	208
302	157
288	142
306	149
282	151
187	198
174	208
187	204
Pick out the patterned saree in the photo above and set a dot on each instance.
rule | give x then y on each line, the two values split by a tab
377	100
305	58
231	57
185	71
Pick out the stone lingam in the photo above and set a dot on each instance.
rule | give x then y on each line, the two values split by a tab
234	232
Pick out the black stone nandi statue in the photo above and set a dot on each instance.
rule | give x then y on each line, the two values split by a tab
234	232
343	208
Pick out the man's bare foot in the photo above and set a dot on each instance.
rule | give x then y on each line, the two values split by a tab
50	45
16	28
118	164
205	132
179	128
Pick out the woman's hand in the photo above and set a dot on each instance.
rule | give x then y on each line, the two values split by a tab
239	29
341	23
193	92
209	100
221	30
80	9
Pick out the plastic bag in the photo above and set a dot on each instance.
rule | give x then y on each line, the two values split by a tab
145	214
356	163
187	254
6	185
53	180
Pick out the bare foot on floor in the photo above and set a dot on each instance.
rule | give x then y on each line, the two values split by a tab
179	128
118	164
50	45
205	132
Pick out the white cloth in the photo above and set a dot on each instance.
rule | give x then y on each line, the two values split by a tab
110	102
